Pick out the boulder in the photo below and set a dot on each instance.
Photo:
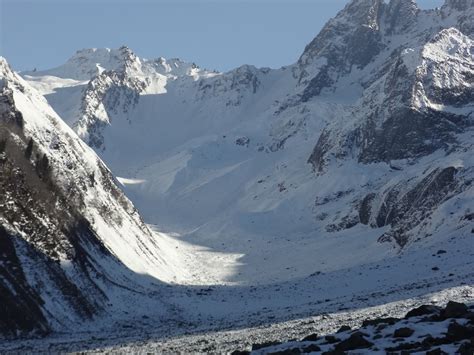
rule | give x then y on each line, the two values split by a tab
310	348
355	341
423	310
265	345
331	339
466	348
436	351
378	321
292	351
344	328
454	310
403	332
458	332
311	337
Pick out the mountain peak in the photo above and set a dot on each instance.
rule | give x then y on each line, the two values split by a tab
362	12
4	67
172	66
460	5
8	76
352	38
400	14
87	63
462	12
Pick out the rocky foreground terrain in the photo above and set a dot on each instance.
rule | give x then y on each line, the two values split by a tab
426	329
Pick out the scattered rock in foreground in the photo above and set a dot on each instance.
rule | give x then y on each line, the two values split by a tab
427	329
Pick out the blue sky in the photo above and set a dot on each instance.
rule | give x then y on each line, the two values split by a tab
214	34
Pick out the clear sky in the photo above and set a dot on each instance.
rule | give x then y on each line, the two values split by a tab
215	34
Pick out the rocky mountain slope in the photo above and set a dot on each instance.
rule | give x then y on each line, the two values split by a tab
72	244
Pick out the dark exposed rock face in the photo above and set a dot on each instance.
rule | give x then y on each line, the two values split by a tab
407	134
360	32
365	209
20	310
351	39
244	82
400	127
364	17
460	5
428	193
322	80
317	157
26	178
465	9
403	209
399	15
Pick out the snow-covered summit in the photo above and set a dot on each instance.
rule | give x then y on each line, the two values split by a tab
173	67
353	44
85	64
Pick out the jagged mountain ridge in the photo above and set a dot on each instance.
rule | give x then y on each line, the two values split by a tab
374	83
85	64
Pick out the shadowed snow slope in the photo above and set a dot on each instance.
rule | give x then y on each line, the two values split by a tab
72	244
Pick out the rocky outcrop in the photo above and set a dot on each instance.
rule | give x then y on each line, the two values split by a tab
110	93
351	39
403	208
400	15
233	86
463	11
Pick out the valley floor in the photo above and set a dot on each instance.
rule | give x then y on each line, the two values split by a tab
207	313
145	340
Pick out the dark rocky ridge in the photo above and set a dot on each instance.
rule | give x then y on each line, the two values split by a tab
352	40
26	178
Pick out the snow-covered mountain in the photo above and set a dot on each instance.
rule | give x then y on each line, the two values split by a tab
380	104
354	160
73	247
